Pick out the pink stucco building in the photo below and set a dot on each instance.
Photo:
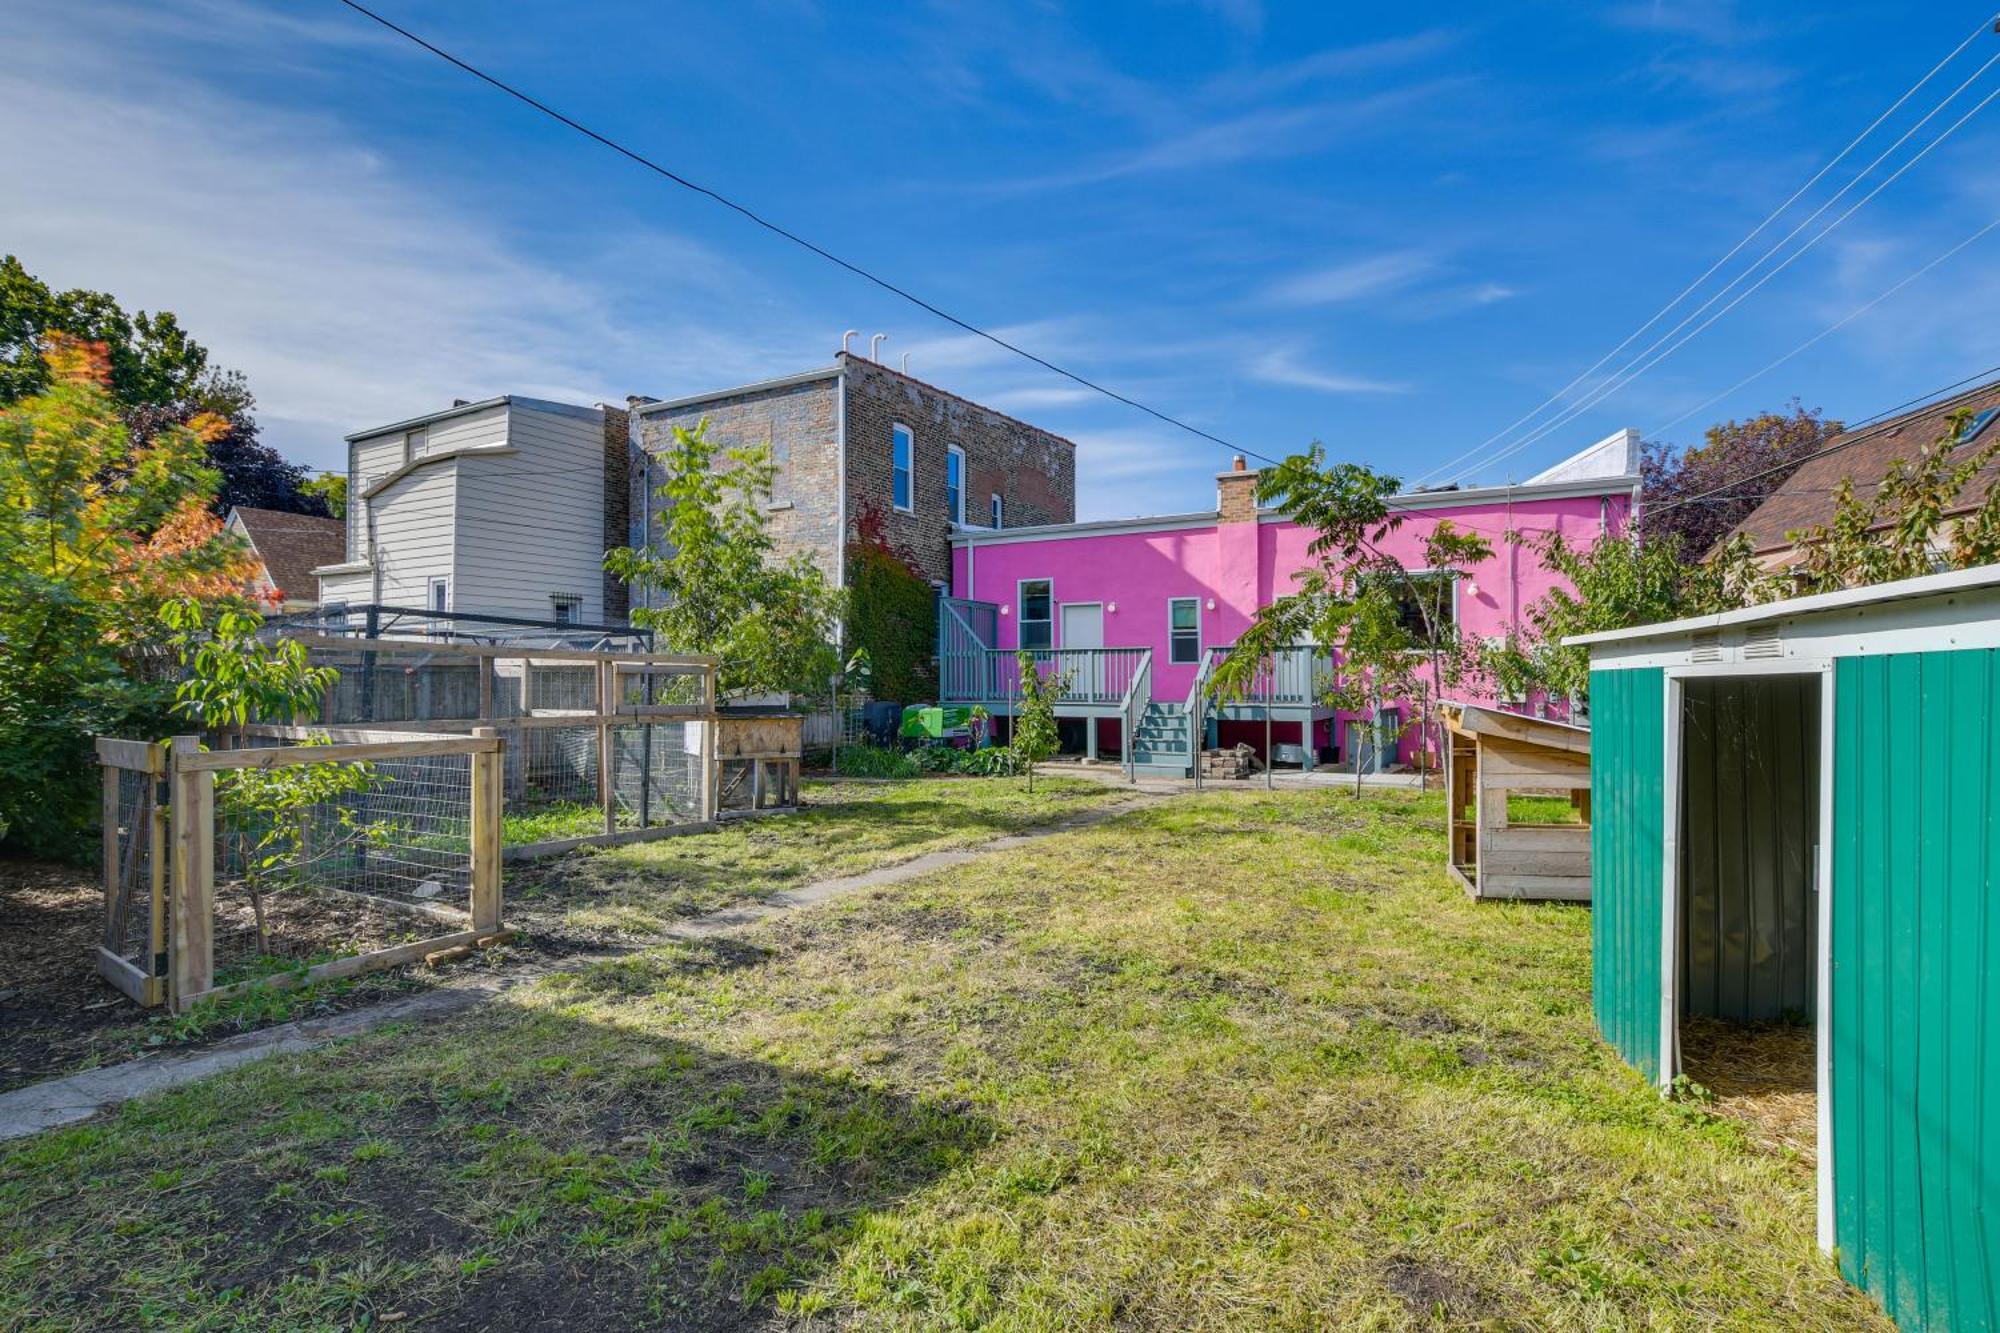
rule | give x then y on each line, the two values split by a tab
1135	611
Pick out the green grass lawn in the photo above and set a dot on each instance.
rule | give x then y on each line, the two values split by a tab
1236	1061
640	889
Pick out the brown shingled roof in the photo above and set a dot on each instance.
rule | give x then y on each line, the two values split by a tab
292	546
1865	454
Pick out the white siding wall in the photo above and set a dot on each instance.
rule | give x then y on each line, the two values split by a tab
368	461
531	524
413	528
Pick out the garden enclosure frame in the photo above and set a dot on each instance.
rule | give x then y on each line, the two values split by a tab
1818	776
166	849
630	733
1489	753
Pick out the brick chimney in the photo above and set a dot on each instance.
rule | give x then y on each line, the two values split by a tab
1236	493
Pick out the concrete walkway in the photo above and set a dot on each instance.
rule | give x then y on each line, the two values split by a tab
75	1097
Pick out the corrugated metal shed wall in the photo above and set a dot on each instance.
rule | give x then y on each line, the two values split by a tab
1750	793
1916	984
1627	797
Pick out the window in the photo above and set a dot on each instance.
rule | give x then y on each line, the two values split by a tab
1183	630
1037	613
1437	592
954	484
440	594
901	447
997	524
568	610
1972	428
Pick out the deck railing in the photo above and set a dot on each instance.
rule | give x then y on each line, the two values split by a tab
1294	677
1137	695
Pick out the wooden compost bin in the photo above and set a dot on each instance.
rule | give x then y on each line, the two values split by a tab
758	753
1492	753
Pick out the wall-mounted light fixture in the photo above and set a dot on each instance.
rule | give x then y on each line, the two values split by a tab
1003	608
1211	603
1112	608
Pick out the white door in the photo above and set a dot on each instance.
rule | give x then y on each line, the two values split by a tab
1083	627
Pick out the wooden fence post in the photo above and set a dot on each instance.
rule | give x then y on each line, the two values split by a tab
488	775
711	772
606	780
193	959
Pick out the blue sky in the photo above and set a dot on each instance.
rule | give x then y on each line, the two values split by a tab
1391	228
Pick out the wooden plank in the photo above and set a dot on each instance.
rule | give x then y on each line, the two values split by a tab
607	784
139	756
138	987
1497	768
451	916
354	966
1540	888
1470	719
111	866
292	756
533	851
1539	838
488	799
193	953
1497	861
157	863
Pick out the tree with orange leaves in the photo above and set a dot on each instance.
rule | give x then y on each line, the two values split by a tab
100	533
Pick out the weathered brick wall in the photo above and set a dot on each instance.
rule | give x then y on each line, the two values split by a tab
1033	471
799	422
617	503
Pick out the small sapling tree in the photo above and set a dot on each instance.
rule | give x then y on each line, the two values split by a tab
1035	736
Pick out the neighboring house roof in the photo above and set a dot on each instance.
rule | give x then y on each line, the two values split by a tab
292	546
1865	455
466	409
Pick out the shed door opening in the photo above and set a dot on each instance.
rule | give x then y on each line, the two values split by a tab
1747	905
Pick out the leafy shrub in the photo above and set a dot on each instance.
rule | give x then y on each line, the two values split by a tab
996	761
875	761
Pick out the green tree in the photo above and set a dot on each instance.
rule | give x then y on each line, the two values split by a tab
330	489
1035	735
159	376
715	584
1901	531
101	533
1356	597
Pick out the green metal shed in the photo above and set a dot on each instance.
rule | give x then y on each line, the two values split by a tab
1797	814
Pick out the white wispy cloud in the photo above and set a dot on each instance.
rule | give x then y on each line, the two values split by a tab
346	291
1281	365
1353	280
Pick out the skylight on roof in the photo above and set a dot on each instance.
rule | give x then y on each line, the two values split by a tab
1976	425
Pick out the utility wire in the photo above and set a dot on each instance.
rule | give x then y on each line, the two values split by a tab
1832	328
1649	358
792	236
1707	273
1870	428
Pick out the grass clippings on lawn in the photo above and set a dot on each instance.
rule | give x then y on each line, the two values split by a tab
1236	1061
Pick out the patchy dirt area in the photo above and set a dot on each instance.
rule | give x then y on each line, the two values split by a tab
58	1016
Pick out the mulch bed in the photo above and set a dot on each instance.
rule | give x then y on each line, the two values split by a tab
1764	1075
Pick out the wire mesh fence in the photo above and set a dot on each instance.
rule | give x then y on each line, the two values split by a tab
657	774
335	859
133	947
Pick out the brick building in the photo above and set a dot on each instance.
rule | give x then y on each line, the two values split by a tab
857	433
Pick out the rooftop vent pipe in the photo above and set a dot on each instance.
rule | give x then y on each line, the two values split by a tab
875	347
851	333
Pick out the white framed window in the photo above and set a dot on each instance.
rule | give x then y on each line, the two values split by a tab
954	484
1183	630
997	511
902	455
566	610
1035	606
440	595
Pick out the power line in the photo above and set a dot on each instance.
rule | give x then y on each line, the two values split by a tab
1880	422
1832	328
1773	216
792	236
1629	373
